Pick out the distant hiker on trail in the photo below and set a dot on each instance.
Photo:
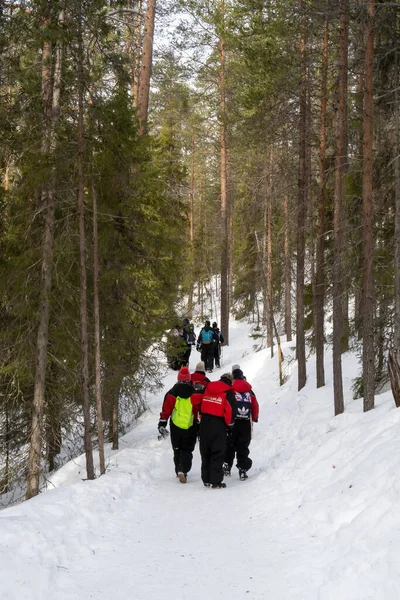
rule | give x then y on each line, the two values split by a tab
246	414
219	339
199	379
218	411
181	404
190	339
176	348
205	342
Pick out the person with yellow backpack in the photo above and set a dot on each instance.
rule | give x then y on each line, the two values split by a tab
181	405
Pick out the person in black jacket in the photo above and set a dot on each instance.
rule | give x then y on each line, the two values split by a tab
219	339
190	339
206	341
218	412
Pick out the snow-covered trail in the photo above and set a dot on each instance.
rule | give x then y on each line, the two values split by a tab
316	520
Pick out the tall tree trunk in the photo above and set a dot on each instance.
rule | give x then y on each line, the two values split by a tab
394	354
99	408
224	198
301	215
133	47
320	258
146	65
82	254
341	155
51	106
115	421
138	46
288	272
358	294
368	216
53	421
5	483
268	233
191	222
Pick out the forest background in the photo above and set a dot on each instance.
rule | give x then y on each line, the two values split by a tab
266	150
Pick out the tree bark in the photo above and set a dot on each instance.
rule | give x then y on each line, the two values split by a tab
288	272
367	217
224	197
341	156
394	354
268	233
301	215
51	106
115	422
138	46
191	223
320	257
146	65
99	407
394	373
82	254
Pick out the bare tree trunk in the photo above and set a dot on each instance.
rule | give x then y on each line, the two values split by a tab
51	106
224	198
138	47
341	154
368	216
301	216
82	253
133	48
288	273
99	408
5	487
146	65
53	422
268	233
320	259
358	294
191	220
115	422
394	354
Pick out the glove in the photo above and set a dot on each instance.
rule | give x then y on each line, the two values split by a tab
162	424
255	420
198	348
229	430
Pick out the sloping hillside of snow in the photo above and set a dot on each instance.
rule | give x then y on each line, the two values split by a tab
316	520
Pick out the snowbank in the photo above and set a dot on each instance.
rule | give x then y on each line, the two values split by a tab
316	520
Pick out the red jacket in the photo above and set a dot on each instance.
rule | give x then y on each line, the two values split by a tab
200	377
241	386
184	390
218	400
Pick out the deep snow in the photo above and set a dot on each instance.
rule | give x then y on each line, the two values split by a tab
318	518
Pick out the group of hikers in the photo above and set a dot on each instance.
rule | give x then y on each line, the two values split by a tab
182	338
219	413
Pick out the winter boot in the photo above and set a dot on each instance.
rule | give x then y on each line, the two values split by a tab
207	484
182	477
226	469
218	486
242	474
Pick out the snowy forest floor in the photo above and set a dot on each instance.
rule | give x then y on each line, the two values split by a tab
318	518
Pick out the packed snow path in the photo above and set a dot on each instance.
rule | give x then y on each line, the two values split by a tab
318	518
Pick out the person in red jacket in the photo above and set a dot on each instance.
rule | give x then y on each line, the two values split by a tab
217	415
246	414
199	379
181	405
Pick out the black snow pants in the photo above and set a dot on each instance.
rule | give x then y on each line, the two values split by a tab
217	355
207	356
186	356
183	442
212	448
238	443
